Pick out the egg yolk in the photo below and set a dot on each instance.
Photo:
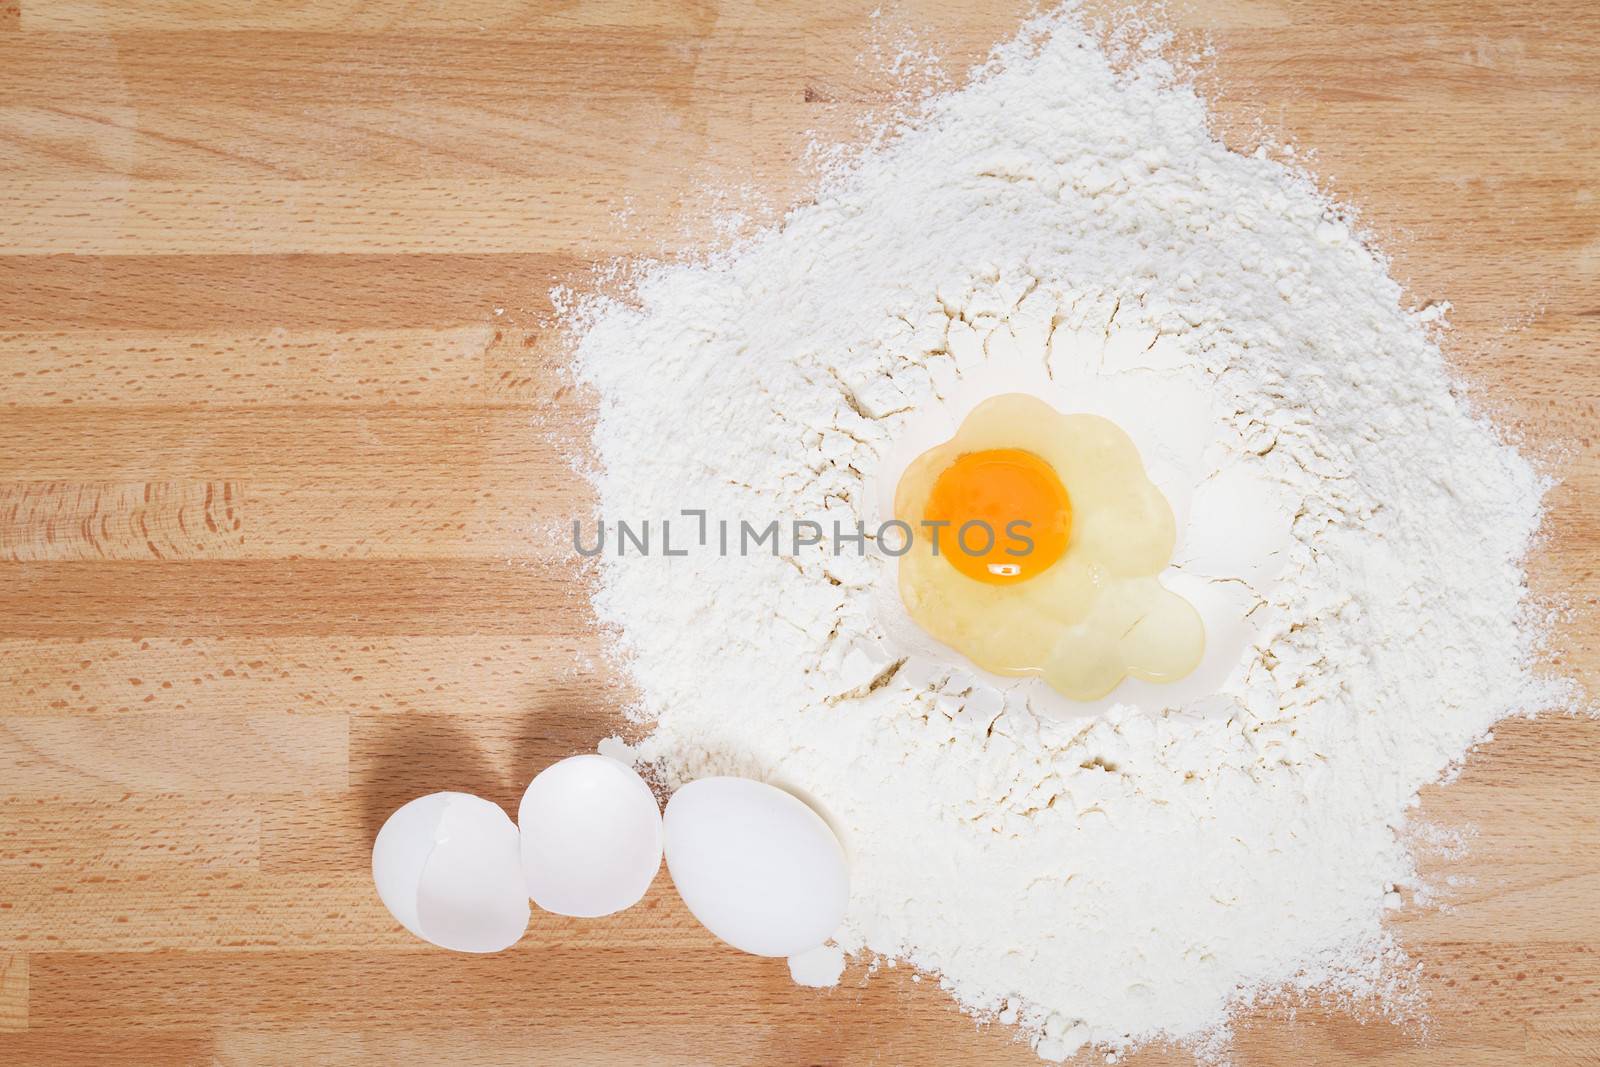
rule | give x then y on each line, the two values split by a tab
997	488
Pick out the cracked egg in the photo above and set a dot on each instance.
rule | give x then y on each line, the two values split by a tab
1036	543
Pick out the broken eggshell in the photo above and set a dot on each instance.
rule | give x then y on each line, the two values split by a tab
449	869
591	837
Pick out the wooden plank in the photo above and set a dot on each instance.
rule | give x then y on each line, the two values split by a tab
340	989
105	1049
298	217
684	106
1505	900
490	524
424	447
13	992
208	910
150	520
139	833
137	369
900	1034
291	596
341	993
1564	1038
432	18
470	676
1393	59
364	17
221	910
271	498
286	71
195	296
112	755
1323	1032
80	521
1503	985
224	143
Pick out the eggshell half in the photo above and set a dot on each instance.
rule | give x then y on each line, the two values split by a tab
755	865
448	868
591	837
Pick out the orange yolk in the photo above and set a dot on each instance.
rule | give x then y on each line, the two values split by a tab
998	487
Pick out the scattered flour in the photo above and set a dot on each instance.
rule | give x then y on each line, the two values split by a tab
1139	873
819	967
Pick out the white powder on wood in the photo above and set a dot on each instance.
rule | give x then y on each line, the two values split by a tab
1138	874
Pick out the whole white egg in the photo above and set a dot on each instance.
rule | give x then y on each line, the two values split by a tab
591	837
755	865
448	867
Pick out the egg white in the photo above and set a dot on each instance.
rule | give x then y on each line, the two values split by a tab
1232	533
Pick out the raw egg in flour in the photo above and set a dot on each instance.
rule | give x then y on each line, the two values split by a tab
1036	541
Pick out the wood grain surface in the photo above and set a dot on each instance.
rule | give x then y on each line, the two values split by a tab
280	421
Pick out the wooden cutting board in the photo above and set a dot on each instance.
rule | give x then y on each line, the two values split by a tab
279	415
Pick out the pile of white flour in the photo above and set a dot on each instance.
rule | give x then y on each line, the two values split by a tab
1138	874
